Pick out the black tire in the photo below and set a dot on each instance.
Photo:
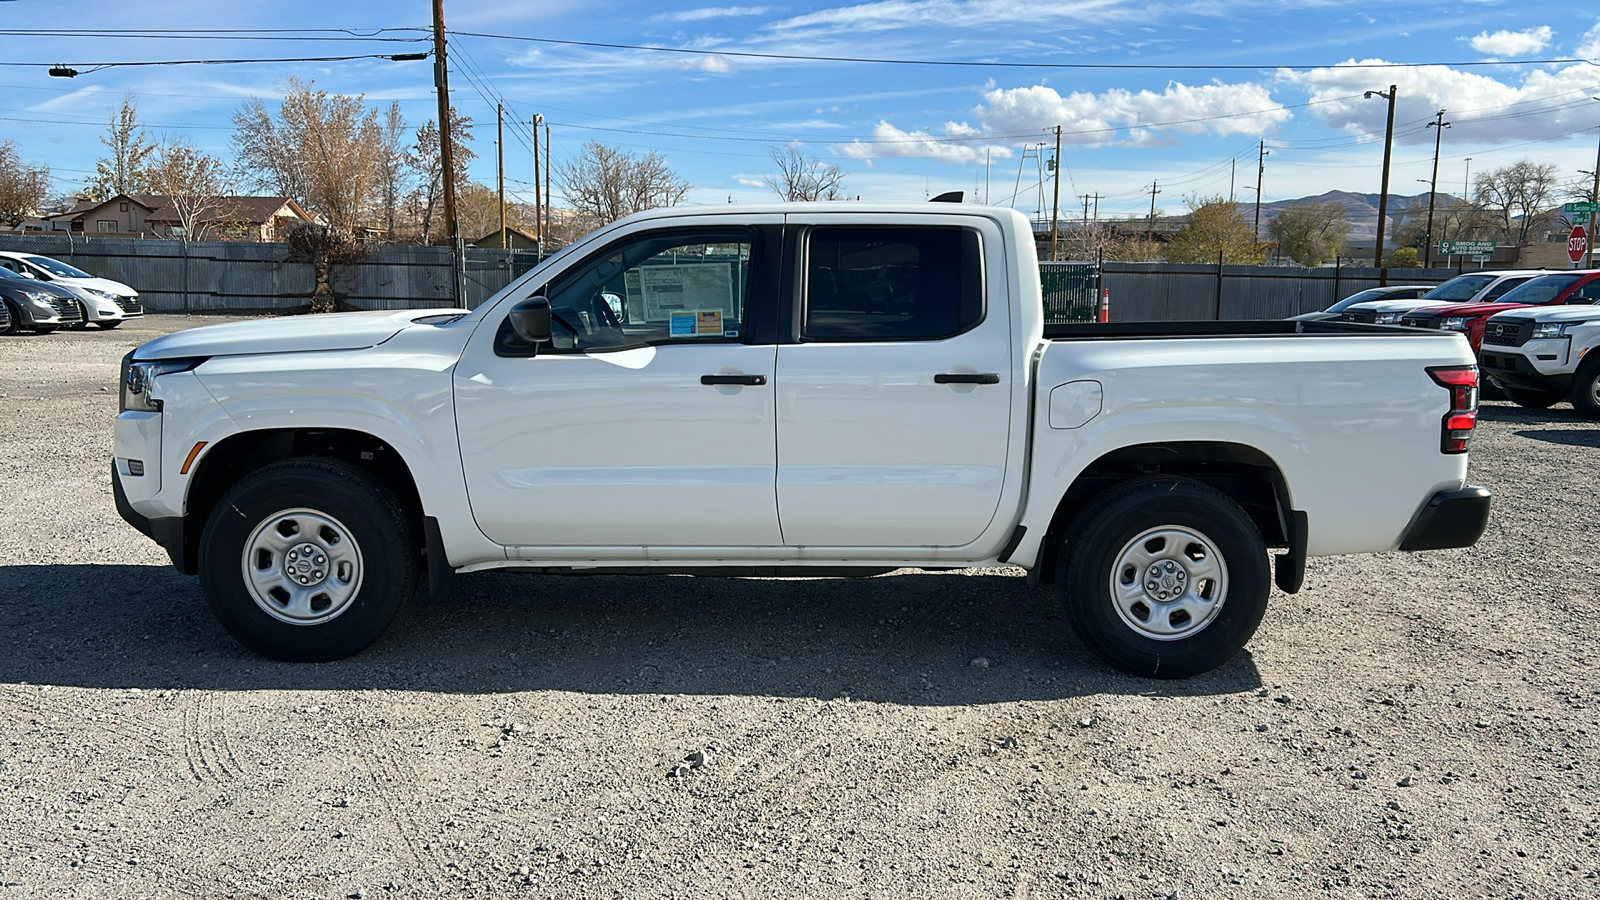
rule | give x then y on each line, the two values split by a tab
109	325
15	325
353	510
1585	394
1109	528
1532	399
45	329
83	319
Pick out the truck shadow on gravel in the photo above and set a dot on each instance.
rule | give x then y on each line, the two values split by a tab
920	639
1568	427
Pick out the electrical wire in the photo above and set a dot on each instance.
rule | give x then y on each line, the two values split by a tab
744	54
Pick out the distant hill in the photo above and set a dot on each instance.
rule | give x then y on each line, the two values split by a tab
1362	210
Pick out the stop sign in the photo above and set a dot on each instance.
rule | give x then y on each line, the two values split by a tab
1577	242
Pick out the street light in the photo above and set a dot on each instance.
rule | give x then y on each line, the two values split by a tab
1383	196
1433	186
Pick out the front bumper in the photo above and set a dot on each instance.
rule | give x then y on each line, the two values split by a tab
1541	365
1450	519
166	531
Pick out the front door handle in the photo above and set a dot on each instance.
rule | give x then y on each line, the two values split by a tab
963	378
733	379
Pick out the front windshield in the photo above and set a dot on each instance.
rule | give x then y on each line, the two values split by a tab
1463	287
1539	291
57	267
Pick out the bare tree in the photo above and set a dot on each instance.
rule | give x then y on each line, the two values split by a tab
427	163
194	183
391	168
803	178
124	171
1311	233
608	184
321	149
1518	199
324	247
23	187
478	211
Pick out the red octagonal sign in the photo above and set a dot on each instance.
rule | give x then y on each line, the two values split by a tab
1577	242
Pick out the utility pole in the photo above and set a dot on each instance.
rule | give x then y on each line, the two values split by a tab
1153	192
1233	171
538	201
447	166
1261	169
1383	194
1055	204
1440	125
500	167
1594	195
549	198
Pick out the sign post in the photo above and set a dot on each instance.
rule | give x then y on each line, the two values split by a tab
1577	243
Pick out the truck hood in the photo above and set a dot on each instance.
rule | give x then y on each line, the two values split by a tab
1581	312
1392	305
1469	310
295	334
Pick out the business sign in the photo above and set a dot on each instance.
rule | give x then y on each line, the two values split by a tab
1466	248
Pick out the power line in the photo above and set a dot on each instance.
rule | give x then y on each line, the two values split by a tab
745	54
97	66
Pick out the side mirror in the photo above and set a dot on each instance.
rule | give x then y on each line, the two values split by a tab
530	320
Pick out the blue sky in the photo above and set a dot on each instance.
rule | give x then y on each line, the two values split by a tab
899	132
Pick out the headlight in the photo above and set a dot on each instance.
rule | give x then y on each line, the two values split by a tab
42	300
1453	323
139	377
1388	318
1549	329
103	294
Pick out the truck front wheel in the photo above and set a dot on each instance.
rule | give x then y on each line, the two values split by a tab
1164	578
308	560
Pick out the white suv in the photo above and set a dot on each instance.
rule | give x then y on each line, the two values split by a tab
104	302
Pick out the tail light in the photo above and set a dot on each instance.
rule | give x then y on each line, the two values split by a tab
1462	383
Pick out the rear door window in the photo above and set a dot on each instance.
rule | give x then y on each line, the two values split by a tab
891	284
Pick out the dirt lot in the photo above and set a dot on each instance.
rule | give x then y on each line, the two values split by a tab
1407	726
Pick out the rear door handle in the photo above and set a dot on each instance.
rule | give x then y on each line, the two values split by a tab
733	379
983	378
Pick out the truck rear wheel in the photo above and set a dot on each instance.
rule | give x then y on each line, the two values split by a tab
1586	389
1532	399
308	560
1164	578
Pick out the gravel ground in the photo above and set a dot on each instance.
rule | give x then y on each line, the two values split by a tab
1407	726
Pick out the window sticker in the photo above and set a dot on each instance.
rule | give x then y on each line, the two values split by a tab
697	323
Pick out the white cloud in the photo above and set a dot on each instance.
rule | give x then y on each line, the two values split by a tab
1120	116
1480	108
891	142
749	182
710	12
66	101
887	15
1589	46
1512	43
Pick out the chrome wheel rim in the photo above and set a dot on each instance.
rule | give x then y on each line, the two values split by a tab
302	567
1169	583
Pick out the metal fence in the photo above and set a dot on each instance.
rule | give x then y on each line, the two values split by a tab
224	276
1166	292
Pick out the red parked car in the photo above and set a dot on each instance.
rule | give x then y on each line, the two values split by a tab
1578	286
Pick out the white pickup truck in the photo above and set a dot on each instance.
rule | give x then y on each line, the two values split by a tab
795	390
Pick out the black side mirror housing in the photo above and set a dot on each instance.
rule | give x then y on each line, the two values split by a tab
530	320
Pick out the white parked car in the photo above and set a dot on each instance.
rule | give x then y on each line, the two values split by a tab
802	390
1473	287
104	302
